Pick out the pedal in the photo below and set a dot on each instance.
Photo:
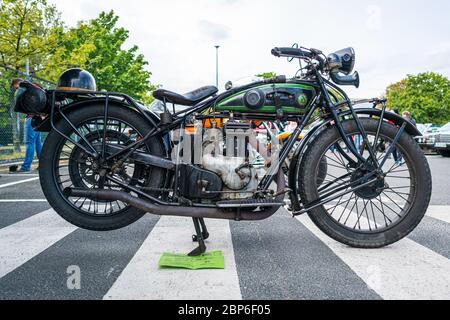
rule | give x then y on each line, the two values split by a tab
249	203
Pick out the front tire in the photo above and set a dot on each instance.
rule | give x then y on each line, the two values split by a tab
390	227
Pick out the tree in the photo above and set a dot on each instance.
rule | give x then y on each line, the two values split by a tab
29	30
96	46
426	96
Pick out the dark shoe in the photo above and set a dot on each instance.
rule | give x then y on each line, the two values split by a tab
21	172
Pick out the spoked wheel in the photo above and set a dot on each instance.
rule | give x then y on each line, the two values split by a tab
79	170
376	211
65	164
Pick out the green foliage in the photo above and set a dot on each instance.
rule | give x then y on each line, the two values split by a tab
426	96
29	29
32	30
267	75
96	46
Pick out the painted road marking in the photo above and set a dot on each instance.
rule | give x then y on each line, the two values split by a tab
21	200
404	270
23	240
439	212
17	182
7	175
142	278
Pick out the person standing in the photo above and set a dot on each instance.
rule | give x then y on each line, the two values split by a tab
407	115
398	158
32	139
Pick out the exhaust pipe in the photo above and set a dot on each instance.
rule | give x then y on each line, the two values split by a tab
178	211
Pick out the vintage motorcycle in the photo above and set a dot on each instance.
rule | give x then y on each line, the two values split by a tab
108	160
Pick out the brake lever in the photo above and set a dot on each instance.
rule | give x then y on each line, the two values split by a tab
317	52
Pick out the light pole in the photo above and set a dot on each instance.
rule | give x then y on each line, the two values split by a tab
217	65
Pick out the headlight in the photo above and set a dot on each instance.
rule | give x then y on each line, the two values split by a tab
342	60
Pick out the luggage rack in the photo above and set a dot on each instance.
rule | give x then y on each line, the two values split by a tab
96	94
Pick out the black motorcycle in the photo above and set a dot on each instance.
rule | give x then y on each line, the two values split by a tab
358	173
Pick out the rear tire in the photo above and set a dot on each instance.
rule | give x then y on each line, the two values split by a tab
420	176
50	158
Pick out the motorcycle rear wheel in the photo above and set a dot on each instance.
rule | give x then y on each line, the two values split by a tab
63	164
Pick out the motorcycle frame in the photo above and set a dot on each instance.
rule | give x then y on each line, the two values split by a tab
323	100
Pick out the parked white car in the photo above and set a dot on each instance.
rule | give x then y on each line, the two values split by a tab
427	139
442	140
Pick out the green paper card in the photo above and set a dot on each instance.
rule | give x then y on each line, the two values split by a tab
210	260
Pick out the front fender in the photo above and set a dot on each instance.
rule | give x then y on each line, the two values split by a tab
389	116
370	112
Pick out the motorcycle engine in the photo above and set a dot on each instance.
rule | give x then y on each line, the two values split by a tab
230	155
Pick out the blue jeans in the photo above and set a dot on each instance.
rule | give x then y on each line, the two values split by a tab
358	140
33	145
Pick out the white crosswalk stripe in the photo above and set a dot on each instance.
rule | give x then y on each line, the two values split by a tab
404	270
22	241
439	212
22	200
142	278
2	186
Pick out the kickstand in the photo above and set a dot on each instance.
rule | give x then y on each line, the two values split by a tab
205	232
201	235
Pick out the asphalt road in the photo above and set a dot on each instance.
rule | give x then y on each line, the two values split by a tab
280	258
440	169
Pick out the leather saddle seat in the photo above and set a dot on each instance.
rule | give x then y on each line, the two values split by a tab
187	99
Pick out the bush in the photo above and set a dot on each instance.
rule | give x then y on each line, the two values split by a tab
426	96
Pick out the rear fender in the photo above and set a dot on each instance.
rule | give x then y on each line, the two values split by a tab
45	125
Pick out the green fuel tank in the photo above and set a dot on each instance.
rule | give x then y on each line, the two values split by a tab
294	98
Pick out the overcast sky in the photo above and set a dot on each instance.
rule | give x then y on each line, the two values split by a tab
177	37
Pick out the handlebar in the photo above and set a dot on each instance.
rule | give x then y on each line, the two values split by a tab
318	62
292	53
301	53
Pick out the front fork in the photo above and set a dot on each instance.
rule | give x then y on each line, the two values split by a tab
372	160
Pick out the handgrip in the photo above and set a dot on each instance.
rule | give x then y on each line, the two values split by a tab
291	52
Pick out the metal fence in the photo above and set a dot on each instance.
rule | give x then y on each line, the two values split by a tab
12	147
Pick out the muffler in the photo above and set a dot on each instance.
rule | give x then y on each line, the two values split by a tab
178	211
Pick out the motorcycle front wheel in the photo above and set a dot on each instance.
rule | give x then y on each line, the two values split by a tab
376	215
